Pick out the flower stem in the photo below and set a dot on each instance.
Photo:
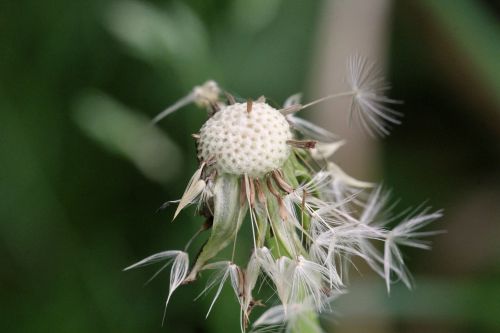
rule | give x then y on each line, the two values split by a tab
307	323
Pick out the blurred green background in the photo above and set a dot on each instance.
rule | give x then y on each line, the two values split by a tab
80	177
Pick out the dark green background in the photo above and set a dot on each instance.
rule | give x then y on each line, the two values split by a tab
74	211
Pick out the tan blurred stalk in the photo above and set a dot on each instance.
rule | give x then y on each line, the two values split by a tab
347	28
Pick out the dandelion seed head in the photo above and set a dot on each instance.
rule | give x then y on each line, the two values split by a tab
309	219
246	139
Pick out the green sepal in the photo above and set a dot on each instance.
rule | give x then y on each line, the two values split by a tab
262	230
293	170
228	216
285	241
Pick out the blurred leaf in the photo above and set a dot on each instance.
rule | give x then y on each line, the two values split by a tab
433	300
30	209
176	38
252	16
129	134
476	32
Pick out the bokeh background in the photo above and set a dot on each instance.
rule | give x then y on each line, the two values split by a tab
81	177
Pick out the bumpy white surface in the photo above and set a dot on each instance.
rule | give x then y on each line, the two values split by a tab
242	142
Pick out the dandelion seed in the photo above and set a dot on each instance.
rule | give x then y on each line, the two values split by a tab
310	130
278	318
406	233
204	96
178	273
308	277
224	270
324	151
369	102
195	187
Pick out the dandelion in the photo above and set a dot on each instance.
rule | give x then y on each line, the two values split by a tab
308	217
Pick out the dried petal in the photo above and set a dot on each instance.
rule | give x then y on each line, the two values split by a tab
194	188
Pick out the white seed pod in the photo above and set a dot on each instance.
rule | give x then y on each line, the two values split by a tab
246	139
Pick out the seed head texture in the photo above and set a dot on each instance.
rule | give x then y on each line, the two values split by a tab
246	140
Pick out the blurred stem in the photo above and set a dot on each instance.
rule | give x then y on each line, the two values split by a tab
307	323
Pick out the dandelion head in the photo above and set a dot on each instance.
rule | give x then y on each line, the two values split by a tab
308	218
245	138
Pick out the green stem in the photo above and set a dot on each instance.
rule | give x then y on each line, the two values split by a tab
307	323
